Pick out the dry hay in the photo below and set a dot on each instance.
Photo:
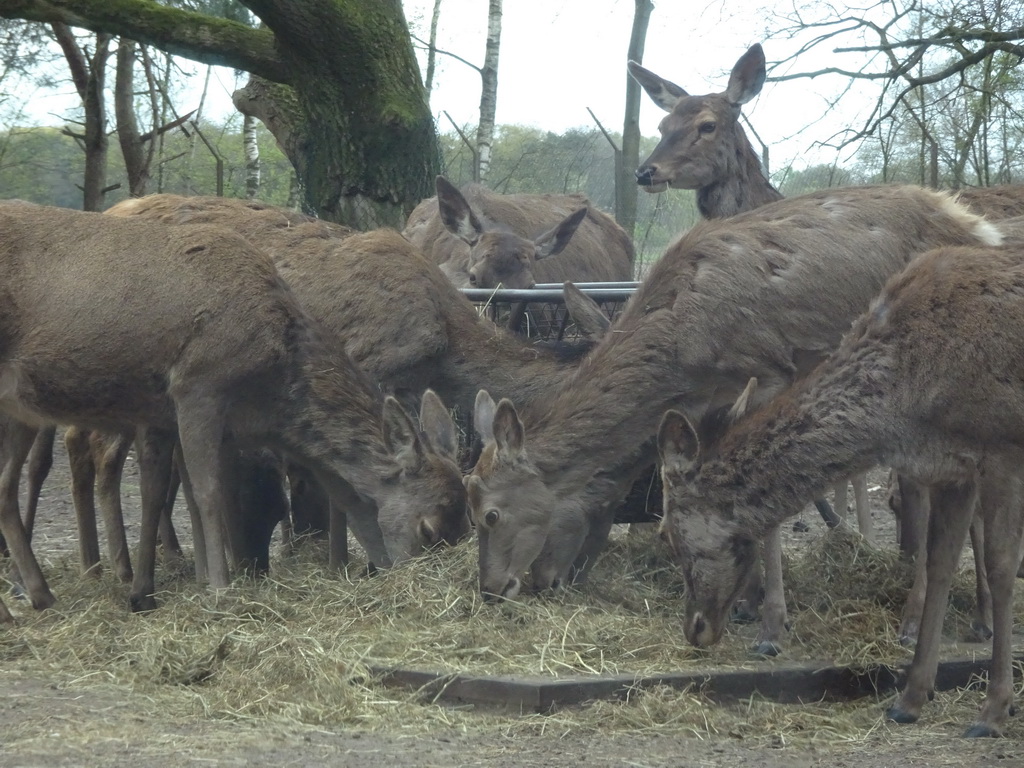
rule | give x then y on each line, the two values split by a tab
297	647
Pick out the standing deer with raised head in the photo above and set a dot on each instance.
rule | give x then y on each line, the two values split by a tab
931	381
731	299
483	239
112	323
703	146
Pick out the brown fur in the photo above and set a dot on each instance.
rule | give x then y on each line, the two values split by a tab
600	250
703	146
731	299
929	381
110	323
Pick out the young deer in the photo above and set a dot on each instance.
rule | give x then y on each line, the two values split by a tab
483	239
731	299
931	381
113	323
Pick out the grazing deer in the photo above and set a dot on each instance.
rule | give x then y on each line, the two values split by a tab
114	323
399	318
731	299
931	381
483	239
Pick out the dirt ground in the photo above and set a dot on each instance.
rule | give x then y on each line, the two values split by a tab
56	721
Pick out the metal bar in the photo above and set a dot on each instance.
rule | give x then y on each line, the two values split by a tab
544	294
625	284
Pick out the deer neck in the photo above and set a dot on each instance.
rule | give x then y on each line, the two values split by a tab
837	423
597	423
483	356
332	420
742	186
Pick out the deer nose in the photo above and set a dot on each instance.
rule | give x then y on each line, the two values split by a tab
645	175
472	278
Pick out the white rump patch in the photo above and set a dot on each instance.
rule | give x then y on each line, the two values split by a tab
983	229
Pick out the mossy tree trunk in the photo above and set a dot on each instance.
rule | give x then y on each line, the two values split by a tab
335	81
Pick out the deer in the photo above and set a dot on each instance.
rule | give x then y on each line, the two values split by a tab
929	378
485	239
731	299
437	341
703	147
189	333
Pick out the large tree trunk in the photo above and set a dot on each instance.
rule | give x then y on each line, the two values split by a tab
335	81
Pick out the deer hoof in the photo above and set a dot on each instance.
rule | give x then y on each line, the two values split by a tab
897	715
766	648
980	731
978	633
743	616
142	603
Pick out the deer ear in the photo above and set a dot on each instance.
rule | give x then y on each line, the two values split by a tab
483	416
400	436
742	404
747	76
664	93
509	434
590	319
555	240
678	445
437	425
456	213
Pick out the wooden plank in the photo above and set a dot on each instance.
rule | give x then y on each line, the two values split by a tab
779	682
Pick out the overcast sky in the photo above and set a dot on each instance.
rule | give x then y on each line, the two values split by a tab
559	57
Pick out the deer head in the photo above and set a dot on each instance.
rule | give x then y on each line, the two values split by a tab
714	554
701	135
508	501
428	470
498	256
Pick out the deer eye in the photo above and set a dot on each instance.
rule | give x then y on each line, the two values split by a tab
491	518
707	127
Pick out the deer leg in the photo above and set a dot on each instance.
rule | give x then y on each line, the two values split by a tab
207	458
1004	534
913	522
154	448
110	451
5	614
863	505
910	624
40	462
952	509
593	544
773	611
744	610
309	503
981	624
839	499
348	508
198	539
262	498
170	547
17	442
83	480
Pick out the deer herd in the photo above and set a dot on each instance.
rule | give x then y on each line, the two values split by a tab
777	348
